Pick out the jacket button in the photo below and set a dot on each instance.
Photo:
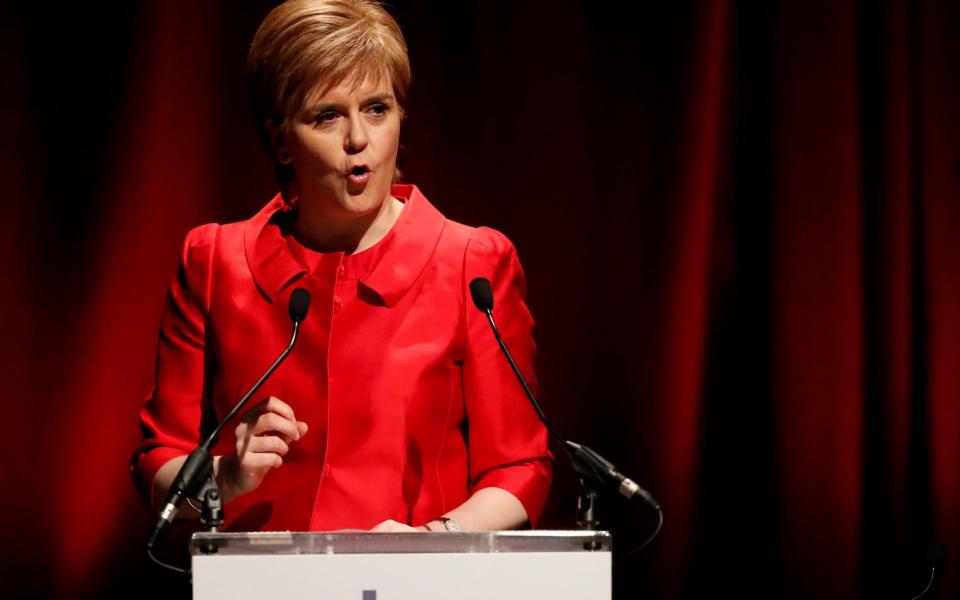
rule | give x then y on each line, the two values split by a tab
337	304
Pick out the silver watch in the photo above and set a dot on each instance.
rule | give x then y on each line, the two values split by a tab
449	524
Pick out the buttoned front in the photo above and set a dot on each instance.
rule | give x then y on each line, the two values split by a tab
411	407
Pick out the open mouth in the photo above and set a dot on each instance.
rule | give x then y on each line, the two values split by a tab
358	175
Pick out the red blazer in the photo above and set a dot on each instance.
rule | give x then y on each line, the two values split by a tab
411	407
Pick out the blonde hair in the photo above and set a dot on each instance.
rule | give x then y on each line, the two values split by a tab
303	44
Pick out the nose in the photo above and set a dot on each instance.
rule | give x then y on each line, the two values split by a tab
356	139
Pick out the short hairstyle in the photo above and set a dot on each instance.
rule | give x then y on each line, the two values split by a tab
302	44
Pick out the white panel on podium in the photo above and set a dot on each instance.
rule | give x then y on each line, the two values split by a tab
501	565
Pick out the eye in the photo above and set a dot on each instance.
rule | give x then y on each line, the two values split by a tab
379	109
327	116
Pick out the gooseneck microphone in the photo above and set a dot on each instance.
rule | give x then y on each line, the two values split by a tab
587	463
199	465
482	295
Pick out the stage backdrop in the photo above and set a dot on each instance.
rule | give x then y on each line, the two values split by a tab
740	224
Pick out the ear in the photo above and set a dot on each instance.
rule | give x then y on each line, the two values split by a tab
278	142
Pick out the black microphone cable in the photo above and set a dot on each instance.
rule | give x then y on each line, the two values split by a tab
198	467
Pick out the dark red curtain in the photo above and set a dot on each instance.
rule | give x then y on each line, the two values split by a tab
739	223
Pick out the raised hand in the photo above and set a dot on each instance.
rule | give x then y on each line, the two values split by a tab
264	435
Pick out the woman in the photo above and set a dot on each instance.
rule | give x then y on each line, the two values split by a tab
396	410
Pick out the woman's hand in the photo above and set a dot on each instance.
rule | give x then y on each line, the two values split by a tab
391	526
263	436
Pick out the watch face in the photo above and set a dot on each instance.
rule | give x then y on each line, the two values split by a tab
452	525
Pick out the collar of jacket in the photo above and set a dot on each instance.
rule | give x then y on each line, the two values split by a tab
414	238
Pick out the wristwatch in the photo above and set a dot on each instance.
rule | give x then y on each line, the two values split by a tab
449	524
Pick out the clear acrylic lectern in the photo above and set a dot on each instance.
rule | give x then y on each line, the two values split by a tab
501	565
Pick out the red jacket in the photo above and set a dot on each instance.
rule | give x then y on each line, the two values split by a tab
411	407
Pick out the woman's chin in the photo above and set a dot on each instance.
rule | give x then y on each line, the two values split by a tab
349	202
365	201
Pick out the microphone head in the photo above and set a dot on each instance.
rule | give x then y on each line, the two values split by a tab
482	294
299	304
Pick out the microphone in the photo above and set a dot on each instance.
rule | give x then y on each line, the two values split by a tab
482	294
299	304
587	463
199	465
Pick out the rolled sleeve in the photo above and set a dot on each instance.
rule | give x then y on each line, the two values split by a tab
170	418
507	440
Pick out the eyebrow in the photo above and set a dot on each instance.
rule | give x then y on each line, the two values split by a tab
379	98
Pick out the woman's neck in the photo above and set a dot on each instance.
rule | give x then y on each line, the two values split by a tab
321	231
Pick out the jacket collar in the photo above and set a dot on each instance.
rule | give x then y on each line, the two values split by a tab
398	261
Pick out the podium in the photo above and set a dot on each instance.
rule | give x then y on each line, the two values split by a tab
501	565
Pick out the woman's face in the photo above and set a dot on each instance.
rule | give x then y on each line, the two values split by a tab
343	147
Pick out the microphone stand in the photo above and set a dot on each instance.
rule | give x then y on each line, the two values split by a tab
211	516
588	505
